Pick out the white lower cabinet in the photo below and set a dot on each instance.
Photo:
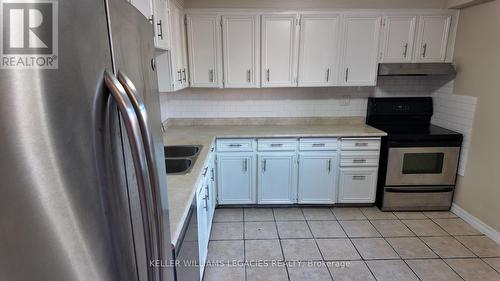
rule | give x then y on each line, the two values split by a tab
357	185
291	170
236	178
202	216
317	178
276	178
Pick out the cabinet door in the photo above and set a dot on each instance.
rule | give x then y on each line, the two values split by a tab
317	178
240	39
276	177
201	211
318	55
398	38
360	50
279	50
161	21
357	185
433	38
236	178
203	33
178	48
183	62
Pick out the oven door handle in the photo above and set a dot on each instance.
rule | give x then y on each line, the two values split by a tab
418	190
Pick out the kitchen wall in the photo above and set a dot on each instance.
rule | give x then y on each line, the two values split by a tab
305	4
289	102
478	63
455	112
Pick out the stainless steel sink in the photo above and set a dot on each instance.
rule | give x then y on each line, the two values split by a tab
178	166
182	151
180	159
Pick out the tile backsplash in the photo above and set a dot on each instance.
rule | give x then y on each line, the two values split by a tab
289	102
455	112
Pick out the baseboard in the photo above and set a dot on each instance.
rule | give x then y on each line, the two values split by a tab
476	223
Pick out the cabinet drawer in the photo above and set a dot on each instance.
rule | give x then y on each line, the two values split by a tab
360	144
235	145
276	144
308	144
357	185
359	159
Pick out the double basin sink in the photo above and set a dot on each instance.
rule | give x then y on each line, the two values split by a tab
180	159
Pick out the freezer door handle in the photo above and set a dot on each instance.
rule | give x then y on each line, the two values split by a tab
147	140
131	123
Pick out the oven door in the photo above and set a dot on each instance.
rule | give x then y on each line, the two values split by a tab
422	166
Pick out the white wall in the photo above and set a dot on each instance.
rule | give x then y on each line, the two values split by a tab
455	112
289	102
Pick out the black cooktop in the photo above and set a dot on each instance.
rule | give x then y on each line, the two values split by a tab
407	122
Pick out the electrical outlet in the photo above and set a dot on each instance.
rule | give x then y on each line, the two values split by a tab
345	101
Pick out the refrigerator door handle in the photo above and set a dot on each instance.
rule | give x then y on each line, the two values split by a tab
147	139
132	127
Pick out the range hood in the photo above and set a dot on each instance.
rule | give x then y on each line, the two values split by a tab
416	69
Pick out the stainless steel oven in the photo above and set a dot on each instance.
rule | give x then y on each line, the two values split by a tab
418	160
410	166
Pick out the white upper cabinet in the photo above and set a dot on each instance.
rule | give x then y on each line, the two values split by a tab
360	49
241	51
397	38
203	31
318	51
172	67
161	22
432	40
279	43
156	11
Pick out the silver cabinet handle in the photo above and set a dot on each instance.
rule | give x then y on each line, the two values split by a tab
249	76
276	144
205	170
211	75
327	74
245	165
358	178
212	174
318	144
179	76
264	164
235	145
361	144
206	203
152	21
160	30
346	74
405	52
268	75
208	192
359	161
424	50
329	164
134	134
184	74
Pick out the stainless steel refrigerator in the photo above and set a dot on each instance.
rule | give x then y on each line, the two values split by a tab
83	188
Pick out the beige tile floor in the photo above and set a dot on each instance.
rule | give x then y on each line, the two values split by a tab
347	244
